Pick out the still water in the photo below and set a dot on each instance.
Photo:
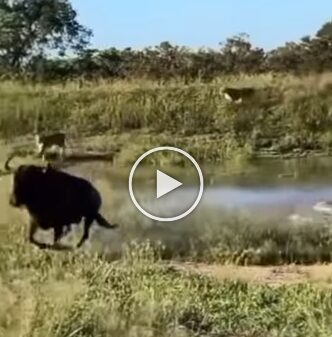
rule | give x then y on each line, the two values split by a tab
265	188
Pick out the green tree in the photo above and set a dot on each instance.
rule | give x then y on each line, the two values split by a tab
289	58
325	30
240	56
35	27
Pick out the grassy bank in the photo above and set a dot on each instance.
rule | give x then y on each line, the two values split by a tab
223	238
140	293
81	294
77	294
289	115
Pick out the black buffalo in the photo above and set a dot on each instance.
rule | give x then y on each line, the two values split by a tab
55	199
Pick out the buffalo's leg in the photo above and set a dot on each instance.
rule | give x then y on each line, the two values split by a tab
58	234
62	152
67	229
33	229
87	224
42	153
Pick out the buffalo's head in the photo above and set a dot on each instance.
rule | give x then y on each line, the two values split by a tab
20	182
25	178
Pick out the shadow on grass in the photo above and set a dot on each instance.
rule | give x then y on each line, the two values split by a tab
55	247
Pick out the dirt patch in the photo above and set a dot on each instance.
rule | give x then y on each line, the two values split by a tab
272	275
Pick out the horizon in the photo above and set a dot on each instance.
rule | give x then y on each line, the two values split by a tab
200	24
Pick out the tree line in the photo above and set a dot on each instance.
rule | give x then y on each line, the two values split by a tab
37	35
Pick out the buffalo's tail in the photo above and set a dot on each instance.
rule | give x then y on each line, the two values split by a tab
104	223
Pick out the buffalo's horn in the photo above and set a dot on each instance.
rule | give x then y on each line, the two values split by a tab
7	167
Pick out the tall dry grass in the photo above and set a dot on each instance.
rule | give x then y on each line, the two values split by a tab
136	292
80	294
290	113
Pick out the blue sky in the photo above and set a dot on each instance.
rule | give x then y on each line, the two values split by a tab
200	23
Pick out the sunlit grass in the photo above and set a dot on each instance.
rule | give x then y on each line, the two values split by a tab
138	292
80	294
122	284
292	114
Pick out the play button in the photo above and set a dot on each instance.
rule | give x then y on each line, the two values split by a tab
156	194
165	184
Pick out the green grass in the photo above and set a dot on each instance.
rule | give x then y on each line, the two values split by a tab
210	237
78	294
291	114
136	292
57	294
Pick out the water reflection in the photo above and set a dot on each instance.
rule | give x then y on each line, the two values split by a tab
263	187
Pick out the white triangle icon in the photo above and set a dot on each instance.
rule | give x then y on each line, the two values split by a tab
165	184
